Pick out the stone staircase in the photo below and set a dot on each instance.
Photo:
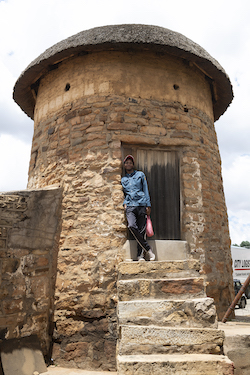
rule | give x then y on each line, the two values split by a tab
167	324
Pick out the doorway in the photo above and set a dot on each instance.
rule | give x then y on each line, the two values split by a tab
162	171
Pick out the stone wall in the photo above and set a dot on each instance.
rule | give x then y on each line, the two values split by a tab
135	74
80	147
29	231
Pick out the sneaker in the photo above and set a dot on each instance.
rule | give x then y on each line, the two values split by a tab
151	255
140	258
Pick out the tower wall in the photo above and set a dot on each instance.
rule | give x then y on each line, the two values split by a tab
87	109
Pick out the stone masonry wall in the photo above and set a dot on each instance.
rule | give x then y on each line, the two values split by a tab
29	229
79	147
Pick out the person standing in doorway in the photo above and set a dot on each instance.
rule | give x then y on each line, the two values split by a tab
137	206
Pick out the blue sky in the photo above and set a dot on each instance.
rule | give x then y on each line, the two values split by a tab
28	27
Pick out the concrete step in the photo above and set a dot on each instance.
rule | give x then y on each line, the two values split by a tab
199	312
158	270
167	340
182	288
163	249
189	364
57	370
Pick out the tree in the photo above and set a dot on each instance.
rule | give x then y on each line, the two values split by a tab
245	244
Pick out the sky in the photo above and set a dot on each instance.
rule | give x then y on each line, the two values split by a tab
221	27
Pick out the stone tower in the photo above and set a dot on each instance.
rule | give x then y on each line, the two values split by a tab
94	97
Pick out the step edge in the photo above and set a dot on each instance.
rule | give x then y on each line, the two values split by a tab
173	358
160	328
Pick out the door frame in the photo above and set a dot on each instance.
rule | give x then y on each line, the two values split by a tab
176	149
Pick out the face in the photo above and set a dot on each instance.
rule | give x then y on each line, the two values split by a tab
129	166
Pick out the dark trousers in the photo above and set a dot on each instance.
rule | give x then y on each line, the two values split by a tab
137	221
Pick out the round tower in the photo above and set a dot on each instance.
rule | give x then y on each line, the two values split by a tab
95	97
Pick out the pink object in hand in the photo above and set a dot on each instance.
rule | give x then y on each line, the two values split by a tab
149	229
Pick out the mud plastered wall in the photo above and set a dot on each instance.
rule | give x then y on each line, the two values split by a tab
86	110
29	233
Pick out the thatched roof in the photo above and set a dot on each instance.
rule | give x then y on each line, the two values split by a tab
124	37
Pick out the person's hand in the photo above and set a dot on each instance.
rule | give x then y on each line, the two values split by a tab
148	210
125	206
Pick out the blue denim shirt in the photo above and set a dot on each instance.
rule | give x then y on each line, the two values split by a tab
135	189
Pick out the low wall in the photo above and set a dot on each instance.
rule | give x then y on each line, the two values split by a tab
29	231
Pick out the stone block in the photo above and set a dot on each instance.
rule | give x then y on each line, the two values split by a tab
168	340
158	270
12	306
161	289
43	218
156	130
241	360
173	313
2	243
191	364
22	356
236	345
163	249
